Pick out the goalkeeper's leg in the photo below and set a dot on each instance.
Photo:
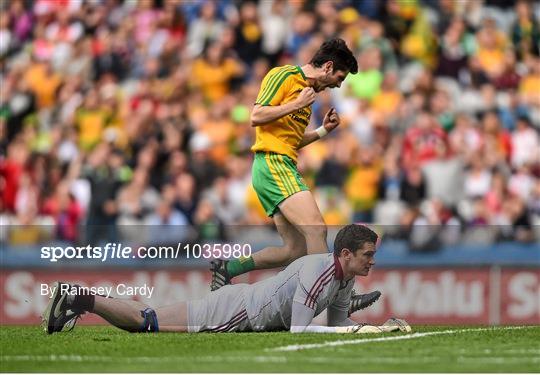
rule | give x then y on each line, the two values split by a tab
69	302
134	316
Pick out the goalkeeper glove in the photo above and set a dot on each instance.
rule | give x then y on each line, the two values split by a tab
394	324
391	325
359	328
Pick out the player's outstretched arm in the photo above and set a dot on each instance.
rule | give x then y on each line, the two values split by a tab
301	319
338	322
339	317
303	315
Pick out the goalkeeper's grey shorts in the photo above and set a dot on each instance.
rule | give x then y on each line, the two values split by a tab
221	311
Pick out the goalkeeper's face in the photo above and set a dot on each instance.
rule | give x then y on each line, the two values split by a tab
363	259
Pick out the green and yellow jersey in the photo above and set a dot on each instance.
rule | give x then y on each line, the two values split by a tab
280	86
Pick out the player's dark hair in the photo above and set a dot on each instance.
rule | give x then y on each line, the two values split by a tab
335	50
353	237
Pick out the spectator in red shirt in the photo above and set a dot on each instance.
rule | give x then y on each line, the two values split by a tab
423	140
11	170
66	211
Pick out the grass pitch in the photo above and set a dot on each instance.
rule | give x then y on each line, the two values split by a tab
427	349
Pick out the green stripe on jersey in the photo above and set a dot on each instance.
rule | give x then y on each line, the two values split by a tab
272	84
267	101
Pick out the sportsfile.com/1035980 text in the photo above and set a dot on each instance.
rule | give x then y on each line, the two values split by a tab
118	251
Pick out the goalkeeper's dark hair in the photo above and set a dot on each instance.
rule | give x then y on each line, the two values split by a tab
335	50
353	237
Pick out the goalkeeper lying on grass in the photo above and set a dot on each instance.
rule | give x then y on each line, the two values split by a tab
287	301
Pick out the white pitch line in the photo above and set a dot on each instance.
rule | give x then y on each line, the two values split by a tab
283	359
290	348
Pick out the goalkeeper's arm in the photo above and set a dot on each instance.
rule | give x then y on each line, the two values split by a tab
303	315
337	317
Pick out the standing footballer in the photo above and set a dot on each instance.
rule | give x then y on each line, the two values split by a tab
280	116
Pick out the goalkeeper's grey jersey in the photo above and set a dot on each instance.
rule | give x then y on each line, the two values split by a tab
313	280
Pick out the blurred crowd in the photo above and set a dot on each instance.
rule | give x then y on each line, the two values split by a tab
120	114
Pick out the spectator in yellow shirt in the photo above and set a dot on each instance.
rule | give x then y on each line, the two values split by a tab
491	49
529	87
387	101
219	129
43	82
361	187
213	72
91	119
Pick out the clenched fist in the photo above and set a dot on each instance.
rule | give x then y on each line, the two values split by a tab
306	97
